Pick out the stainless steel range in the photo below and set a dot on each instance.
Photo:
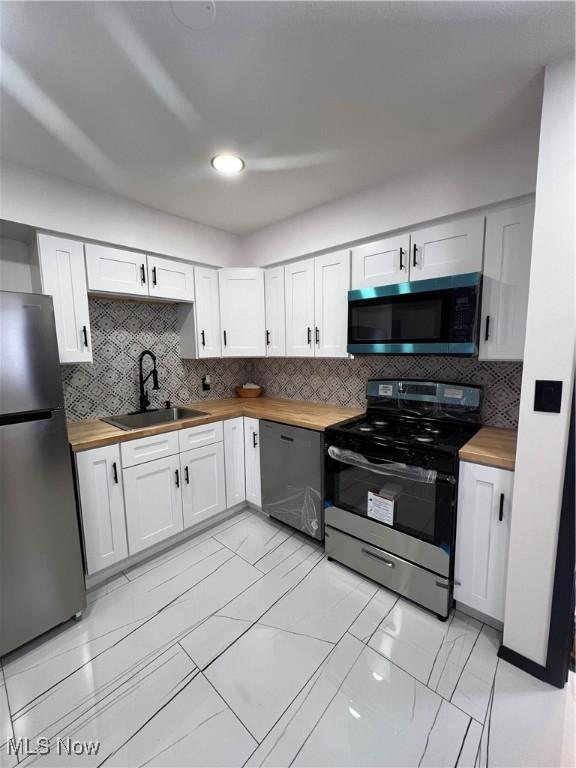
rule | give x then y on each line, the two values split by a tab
392	486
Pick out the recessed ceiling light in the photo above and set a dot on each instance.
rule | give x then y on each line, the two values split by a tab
228	164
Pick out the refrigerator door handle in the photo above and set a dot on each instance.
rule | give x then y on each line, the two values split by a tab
21	418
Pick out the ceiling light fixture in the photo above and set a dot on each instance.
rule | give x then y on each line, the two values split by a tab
228	164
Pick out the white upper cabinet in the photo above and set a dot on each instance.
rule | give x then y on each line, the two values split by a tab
242	314
63	276
170	279
452	248
153	502
208	342
331	286
234	461
252	459
383	262
275	312
102	506
482	538
506	279
112	270
299	278
203	484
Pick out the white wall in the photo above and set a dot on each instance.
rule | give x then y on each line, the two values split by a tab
548	354
15	270
469	180
47	202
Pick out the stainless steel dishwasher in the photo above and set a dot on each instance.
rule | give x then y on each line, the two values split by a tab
292	485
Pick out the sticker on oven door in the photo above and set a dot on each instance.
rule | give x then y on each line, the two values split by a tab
380	508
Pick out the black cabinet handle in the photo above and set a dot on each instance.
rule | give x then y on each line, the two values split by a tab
317	335
177	479
115	472
154	276
85	335
225	342
186	475
501	512
267	338
143	273
401	262
487	329
203	335
288	439
414	252
309	335
254	439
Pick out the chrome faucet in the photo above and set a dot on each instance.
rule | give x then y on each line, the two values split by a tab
144	400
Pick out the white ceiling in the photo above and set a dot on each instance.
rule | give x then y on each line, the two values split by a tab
321	99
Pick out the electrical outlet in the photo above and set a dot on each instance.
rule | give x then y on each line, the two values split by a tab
206	383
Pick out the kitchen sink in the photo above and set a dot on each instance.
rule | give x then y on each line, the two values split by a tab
152	418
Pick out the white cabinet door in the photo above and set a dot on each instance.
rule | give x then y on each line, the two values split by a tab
331	286
383	262
153	502
275	312
170	279
452	248
299	279
234	461
507	257
63	276
208	343
112	270
204	486
482	538
102	506
242	314
252	458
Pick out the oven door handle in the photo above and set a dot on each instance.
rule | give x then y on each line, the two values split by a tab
391	468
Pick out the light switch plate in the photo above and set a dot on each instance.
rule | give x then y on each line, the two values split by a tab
547	396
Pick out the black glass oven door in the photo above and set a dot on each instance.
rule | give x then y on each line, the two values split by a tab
410	499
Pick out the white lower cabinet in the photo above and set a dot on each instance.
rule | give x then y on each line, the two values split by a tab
252	459
234	461
482	538
102	505
153	502
203	484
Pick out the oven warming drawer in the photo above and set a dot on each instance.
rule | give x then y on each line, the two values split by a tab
389	539
411	581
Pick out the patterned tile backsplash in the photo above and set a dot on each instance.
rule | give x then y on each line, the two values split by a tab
343	382
121	330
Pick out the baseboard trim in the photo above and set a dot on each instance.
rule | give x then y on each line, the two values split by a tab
95	579
526	665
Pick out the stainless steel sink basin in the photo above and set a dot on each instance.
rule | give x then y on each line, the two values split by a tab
152	418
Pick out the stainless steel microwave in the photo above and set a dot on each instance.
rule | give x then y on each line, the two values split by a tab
421	317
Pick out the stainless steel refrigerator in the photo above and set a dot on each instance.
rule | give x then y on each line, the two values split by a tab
41	571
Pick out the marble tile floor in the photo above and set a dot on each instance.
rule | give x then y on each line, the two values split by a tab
245	646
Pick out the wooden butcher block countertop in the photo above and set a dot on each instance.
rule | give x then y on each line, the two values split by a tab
492	446
83	435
